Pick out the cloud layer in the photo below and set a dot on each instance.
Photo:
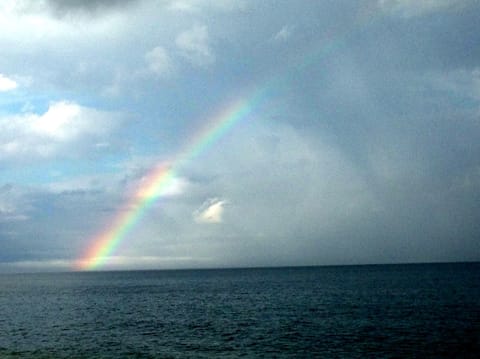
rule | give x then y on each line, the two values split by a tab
363	147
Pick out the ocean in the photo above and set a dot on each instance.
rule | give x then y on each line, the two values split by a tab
380	311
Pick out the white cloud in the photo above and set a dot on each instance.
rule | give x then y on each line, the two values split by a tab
284	33
191	6
7	84
158	61
62	125
182	6
131	181
84	183
61	122
194	46
145	186
211	211
62	52
411	8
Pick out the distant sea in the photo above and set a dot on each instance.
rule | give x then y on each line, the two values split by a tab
372	311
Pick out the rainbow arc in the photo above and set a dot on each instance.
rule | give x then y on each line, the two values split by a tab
157	182
101	246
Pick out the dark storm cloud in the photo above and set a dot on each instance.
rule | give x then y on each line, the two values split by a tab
64	7
388	98
380	83
442	40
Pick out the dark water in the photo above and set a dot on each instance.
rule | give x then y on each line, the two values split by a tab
430	310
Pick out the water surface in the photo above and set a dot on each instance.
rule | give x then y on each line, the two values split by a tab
422	310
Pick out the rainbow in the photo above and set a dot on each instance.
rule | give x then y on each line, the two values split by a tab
156	183
161	176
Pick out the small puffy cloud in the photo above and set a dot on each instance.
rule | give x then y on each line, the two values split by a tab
182	6
62	125
7	84
284	33
62	122
158	61
208	5
211	211
411	8
194	46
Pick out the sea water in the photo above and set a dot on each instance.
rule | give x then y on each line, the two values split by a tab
421	310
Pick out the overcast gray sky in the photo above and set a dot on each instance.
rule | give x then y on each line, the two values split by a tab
363	147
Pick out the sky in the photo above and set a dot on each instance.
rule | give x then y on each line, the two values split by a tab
238	133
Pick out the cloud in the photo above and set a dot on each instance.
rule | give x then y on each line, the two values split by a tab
194	46
62	127
14	205
158	61
153	262
7	84
36	265
462	82
174	187
211	211
284	33
66	7
363	148
196	6
411	8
